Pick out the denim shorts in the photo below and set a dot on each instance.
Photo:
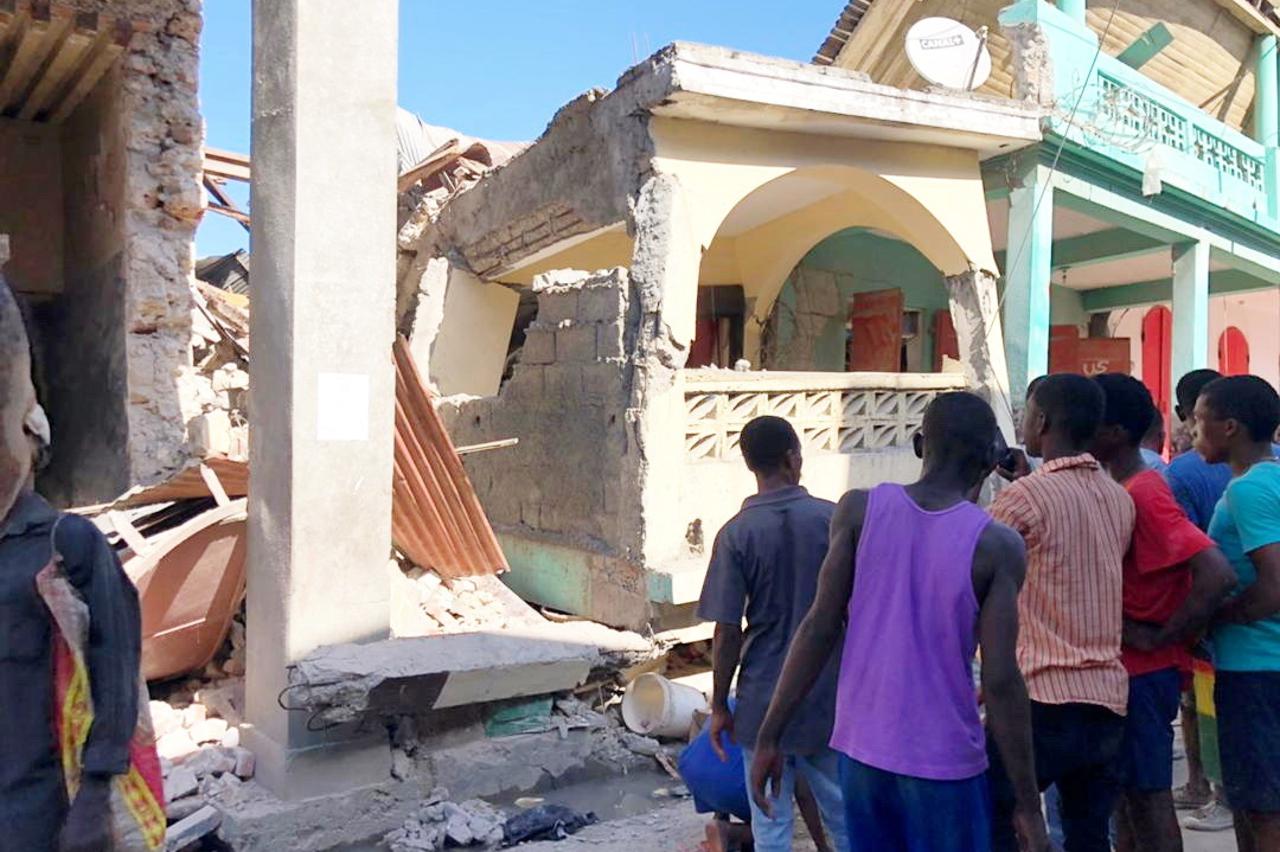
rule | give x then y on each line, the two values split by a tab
1146	758
1248	705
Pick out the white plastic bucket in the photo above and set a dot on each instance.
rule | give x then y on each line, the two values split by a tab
654	706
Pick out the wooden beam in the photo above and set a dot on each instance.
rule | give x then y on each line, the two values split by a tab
874	34
227	164
224	201
232	213
63	52
437	160
26	44
110	45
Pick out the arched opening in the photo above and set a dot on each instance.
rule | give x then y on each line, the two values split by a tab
860	301
1233	352
828	268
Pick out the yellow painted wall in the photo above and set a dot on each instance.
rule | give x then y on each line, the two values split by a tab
471	349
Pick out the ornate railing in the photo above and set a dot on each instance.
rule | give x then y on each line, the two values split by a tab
1128	115
833	412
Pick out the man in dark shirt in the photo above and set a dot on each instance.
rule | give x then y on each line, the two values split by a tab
34	808
765	564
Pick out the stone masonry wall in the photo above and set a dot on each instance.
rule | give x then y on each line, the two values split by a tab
568	480
162	133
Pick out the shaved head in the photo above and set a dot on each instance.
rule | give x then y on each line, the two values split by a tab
17	398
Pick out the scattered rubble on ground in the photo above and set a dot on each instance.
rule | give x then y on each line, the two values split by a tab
440	822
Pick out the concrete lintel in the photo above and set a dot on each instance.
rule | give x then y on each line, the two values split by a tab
746	90
1101	247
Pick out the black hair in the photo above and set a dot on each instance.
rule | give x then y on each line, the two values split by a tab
1072	404
1190	386
1033	384
1249	400
1127	404
765	442
961	425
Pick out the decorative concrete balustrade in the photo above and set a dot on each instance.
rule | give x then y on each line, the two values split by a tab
833	412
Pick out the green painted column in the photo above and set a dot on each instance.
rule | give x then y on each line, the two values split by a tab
1266	107
1266	115
1026	290
1190	308
1074	8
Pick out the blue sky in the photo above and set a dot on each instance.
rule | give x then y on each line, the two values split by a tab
499	69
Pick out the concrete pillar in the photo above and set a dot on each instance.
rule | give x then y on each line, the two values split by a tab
323	322
1190	308
1074	8
1027	270
975	314
1266	115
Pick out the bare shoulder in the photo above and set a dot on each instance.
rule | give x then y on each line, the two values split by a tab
1001	546
851	509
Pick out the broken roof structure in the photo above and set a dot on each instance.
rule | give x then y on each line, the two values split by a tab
705	168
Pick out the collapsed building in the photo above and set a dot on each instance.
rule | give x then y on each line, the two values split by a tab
660	228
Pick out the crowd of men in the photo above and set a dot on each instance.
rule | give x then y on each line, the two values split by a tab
1081	595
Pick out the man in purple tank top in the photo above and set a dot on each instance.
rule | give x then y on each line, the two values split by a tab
919	577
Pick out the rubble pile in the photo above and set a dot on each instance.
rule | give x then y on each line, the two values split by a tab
440	823
197	727
431	605
216	400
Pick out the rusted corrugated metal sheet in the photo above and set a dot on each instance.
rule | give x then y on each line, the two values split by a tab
190	484
436	518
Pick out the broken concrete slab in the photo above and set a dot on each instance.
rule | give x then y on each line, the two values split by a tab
187	831
340	683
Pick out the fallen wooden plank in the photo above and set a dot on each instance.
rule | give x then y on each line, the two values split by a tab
435	161
488	445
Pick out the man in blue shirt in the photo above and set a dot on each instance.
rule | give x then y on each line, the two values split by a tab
1197	485
765	565
1236	420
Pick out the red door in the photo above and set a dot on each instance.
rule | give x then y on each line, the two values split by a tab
706	342
1157	355
944	339
1233	352
1064	349
875	325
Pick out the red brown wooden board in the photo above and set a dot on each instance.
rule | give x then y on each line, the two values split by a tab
436	518
875	321
945	342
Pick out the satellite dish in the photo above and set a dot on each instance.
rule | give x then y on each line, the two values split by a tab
949	54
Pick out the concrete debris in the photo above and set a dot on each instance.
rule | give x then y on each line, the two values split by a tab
439	822
210	761
208	731
180	783
179	809
647	746
187	831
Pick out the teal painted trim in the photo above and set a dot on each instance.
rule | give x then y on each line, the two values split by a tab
1266	108
1141	294
1146	46
1027	312
1190	307
548	574
1102	247
1074	9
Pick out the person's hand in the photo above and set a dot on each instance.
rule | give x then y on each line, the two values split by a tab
1014	465
1029	826
1140	636
766	768
721	723
88	825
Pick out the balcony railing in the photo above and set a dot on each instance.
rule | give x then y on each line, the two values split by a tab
1120	113
833	412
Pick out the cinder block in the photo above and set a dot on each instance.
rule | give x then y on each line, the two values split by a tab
539	346
576	344
564	385
609	340
602	383
555	307
601	303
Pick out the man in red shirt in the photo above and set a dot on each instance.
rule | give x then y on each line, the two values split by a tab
1174	580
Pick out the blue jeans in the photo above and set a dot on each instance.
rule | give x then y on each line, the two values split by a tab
899	813
822	772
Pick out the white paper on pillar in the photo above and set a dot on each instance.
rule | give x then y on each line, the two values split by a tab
342	407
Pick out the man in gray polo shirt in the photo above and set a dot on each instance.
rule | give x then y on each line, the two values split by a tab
765	566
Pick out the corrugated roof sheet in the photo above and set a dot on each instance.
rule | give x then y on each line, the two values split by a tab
436	518
189	484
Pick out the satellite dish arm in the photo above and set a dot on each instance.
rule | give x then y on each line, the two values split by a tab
977	57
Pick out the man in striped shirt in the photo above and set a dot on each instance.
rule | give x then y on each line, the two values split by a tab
1077	523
